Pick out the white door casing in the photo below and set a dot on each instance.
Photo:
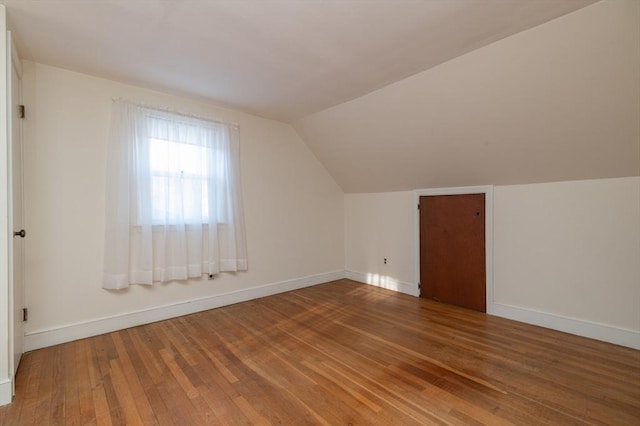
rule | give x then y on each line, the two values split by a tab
16	251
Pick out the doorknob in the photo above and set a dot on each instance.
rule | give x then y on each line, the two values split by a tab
20	233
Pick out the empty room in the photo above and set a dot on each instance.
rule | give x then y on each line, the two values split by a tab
332	212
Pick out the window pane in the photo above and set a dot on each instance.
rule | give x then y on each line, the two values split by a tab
174	156
179	185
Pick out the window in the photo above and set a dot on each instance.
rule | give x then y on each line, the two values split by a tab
174	205
179	169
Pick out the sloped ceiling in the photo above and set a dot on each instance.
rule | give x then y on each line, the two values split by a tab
389	94
557	102
281	59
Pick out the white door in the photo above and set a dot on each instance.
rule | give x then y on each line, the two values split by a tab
17	272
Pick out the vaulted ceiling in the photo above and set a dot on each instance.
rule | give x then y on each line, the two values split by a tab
389	94
557	102
281	59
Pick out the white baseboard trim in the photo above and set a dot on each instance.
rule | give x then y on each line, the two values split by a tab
67	333
606	333
603	332
6	391
384	282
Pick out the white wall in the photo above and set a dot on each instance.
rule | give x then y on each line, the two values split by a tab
294	210
566	254
570	249
378	227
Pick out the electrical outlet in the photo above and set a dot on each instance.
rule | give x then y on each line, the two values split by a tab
385	260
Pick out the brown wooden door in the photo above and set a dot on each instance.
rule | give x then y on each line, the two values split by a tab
452	250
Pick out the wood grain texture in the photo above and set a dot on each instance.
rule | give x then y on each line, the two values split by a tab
452	249
337	353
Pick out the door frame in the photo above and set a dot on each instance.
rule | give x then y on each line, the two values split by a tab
15	64
487	190
6	379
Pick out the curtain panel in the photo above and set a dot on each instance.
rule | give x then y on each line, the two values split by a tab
174	201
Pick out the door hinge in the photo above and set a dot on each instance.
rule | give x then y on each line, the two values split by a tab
21	111
25	314
419	286
418	206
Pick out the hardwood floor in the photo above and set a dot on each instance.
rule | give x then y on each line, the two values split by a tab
337	353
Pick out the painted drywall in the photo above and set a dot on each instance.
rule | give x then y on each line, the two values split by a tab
571	249
376	228
294	209
556	102
567	249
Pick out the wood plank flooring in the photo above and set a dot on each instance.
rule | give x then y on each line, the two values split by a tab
340	353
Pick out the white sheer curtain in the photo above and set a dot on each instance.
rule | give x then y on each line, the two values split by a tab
174	202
